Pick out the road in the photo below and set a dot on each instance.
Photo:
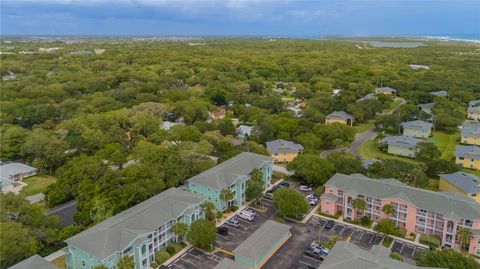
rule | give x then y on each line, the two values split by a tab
361	137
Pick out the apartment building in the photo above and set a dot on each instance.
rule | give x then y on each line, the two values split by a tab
417	128
139	231
417	210
468	156
283	151
402	145
231	174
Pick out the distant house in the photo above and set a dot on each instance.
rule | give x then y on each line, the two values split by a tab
474	103
419	66
470	123
402	145
427	108
440	93
283	150
99	51
336	92
341	117
297	111
461	182
218	114
470	134
386	91
10	173
244	131
367	163
417	128
34	262
473	112
166	125
468	156
369	96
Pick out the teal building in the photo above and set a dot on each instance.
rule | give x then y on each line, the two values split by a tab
231	174
139	231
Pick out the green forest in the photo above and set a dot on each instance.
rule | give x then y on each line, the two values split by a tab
94	121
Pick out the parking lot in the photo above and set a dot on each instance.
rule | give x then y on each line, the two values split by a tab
407	250
195	258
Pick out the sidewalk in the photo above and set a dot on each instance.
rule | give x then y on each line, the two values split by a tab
177	255
371	230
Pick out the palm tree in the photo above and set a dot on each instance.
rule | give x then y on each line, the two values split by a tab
126	262
464	235
180	229
209	208
359	204
226	195
389	210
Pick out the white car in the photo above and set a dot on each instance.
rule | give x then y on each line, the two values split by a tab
251	211
312	196
305	188
319	248
245	216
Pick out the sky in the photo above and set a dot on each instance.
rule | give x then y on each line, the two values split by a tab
307	18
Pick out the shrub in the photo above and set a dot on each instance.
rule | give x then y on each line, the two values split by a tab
387	241
154	265
161	256
365	221
396	256
430	240
170	249
233	208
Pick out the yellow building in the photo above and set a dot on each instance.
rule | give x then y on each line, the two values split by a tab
341	117
470	135
283	151
468	156
386	91
461	182
473	113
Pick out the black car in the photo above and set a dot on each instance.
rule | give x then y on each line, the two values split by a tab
329	224
284	184
222	231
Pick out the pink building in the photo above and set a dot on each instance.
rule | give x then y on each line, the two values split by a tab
417	210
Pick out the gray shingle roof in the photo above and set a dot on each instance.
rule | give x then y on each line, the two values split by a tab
115	233
439	202
34	262
470	152
385	90
227	263
342	115
345	255
418	125
255	247
469	183
283	146
474	103
225	174
471	123
9	169
427	108
401	141
471	131
440	93
474	109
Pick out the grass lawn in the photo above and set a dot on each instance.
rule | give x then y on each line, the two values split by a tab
370	151
60	262
445	143
37	184
362	127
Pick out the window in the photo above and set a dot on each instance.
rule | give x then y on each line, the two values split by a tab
83	263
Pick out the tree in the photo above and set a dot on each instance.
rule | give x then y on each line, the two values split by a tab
389	210
13	138
126	262
464	235
226	195
447	259
18	243
290	203
312	169
427	152
346	163
114	153
180	229
388	227
202	233
359	204
209	209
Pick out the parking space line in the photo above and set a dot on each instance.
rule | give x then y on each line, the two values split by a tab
363	233
175	264
194	256
311	258
187	261
223	237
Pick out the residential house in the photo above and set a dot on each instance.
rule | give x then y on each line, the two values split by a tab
422	211
440	93
166	125
470	123
386	91
474	103
218	114
262	244
417	128
470	134
244	131
139	231
427	108
346	255
473	112
461	182
283	150
468	156
336	92
34	262
11	173
368	163
402	145
341	117
231	174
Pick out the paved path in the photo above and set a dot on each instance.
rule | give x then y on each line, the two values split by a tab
283	170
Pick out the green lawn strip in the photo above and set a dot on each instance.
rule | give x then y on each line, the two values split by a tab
37	184
370	151
445	143
364	126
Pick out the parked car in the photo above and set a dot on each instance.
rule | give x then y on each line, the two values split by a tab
233	223
222	231
316	255
248	213
305	188
312	202
329	224
317	246
284	183
245	216
251	211
268	195
312	196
